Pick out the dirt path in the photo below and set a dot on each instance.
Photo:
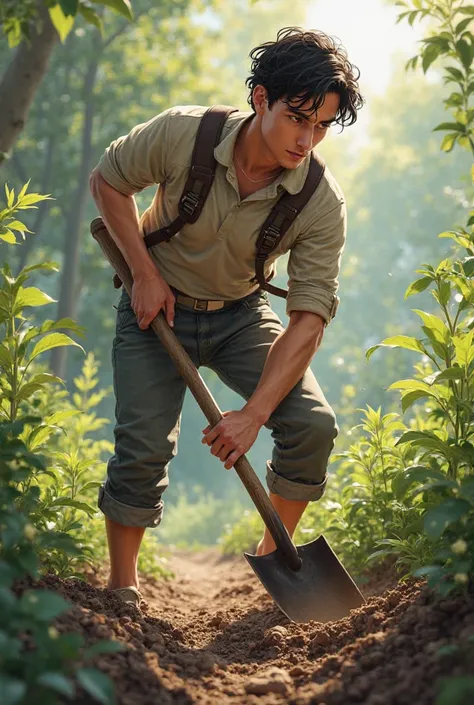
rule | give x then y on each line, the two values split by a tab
213	636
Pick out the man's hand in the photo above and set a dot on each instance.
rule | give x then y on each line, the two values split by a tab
232	436
150	295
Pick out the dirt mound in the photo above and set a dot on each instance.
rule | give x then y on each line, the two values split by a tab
213	636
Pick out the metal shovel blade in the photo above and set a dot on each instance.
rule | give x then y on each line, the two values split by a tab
321	590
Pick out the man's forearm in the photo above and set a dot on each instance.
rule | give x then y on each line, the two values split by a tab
286	363
120	214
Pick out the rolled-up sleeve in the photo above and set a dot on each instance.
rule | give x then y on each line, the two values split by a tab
137	160
314	263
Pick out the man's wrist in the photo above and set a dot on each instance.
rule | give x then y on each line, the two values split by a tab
145	271
257	412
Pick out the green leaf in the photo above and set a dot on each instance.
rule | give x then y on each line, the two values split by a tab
121	7
7	236
44	605
430	54
26	390
31	296
96	684
454	100
58	682
55	340
12	690
62	23
17	225
465	52
466	10
398	341
59	416
437	519
464	347
91	16
416	473
39	435
418	286
434	573
46	266
451	373
426	440
455	126
468	266
410	385
104	647
91	485
75	504
444	293
69	7
438	326
404	341
410	398
448	142
467	489
456	690
6	359
436	485
46	378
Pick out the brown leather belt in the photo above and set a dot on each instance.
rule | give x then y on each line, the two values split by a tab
201	305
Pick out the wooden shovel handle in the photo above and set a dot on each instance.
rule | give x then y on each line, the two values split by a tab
203	397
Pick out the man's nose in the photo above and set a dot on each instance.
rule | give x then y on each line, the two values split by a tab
305	140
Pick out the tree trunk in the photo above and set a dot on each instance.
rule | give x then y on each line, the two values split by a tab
22	79
68	290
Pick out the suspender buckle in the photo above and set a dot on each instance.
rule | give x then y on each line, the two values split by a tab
270	236
189	203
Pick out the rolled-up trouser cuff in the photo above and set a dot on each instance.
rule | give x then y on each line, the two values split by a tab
292	490
127	515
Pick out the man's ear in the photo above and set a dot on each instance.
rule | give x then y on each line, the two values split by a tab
260	99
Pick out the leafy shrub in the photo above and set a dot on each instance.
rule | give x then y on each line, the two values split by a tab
37	665
442	481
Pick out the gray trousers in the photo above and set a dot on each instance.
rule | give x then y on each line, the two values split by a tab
234	342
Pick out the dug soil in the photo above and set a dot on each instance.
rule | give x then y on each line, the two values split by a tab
213	636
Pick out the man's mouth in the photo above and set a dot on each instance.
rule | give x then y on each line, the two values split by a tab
295	155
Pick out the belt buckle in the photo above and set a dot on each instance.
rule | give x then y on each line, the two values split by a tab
200	305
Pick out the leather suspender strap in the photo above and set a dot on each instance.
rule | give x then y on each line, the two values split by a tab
279	220
200	177
201	174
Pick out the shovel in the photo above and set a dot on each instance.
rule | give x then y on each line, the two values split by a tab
307	582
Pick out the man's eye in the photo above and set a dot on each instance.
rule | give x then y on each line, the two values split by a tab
295	118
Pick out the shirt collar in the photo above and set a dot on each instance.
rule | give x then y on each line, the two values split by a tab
291	179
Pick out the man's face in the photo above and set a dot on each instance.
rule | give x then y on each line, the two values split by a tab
290	133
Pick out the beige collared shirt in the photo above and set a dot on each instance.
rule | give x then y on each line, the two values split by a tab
214	258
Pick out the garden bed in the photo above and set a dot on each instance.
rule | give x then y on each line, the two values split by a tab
213	636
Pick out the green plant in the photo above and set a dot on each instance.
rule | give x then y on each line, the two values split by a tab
364	508
18	16
442	476
451	40
37	665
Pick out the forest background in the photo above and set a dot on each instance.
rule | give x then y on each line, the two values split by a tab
400	188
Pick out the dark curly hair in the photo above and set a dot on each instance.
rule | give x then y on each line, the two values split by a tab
306	65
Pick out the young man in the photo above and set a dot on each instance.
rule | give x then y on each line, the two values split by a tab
203	280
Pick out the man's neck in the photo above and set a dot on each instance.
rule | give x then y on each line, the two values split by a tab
252	154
